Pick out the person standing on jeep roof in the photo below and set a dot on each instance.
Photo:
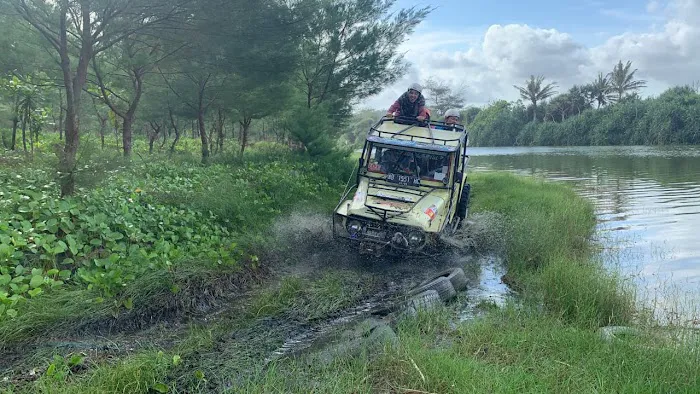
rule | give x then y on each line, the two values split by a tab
411	104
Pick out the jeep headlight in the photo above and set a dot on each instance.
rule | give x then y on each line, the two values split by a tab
416	238
354	228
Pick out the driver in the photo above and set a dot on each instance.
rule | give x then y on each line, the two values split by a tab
410	104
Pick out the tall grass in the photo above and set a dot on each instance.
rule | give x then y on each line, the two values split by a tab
550	255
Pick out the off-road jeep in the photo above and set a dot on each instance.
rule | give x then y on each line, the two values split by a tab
409	187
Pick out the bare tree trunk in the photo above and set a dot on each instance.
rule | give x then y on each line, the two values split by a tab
177	131
127	116
534	111
15	124
203	136
245	124
165	136
103	126
60	114
74	86
25	115
153	136
32	133
211	141
201	108
220	131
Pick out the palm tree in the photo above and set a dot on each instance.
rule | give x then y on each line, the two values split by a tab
535	92
601	90
622	80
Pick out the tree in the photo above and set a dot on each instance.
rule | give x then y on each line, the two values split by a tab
534	92
257	102
469	114
131	60
349	50
83	29
622	80
227	40
496	125
442	97
601	90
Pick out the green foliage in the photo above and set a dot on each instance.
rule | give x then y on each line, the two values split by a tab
495	125
313	128
103	238
534	92
671	118
145	217
349	50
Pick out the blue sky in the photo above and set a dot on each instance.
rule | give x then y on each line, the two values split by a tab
485	47
589	21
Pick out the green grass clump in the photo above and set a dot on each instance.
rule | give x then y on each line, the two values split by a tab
139	373
549	252
331	292
524	351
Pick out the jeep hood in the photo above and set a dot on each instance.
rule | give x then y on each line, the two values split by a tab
400	206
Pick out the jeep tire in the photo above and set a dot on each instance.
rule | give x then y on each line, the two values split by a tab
463	204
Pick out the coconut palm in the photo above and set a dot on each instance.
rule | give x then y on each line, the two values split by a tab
622	80
600	90
534	92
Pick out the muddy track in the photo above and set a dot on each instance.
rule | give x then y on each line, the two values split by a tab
307	252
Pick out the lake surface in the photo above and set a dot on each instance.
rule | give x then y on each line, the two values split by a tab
647	201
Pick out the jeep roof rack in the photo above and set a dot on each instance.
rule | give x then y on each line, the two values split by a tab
418	134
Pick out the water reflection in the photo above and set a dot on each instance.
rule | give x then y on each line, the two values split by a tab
647	201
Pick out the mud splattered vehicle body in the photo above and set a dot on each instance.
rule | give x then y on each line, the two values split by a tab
409	187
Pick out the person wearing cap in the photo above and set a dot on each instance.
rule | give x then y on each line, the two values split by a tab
452	117
410	104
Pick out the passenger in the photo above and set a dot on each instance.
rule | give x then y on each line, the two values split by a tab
452	117
410	104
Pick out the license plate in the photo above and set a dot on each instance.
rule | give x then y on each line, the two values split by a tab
407	180
374	234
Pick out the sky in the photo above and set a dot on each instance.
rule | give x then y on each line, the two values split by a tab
485	47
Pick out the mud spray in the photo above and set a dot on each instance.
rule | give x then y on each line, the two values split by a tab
303	245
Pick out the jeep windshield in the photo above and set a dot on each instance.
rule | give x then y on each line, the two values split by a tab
409	167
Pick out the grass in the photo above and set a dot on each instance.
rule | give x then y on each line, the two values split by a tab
549	253
517	350
547	341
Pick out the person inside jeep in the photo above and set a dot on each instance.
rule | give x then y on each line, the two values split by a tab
401	162
452	117
410	104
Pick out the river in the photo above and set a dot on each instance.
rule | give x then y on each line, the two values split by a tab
647	200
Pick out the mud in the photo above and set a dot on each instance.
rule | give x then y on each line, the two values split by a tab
474	248
301	245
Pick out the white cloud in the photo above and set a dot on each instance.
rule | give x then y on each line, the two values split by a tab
504	56
653	6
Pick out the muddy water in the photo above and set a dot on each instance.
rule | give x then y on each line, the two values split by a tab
647	200
395	276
